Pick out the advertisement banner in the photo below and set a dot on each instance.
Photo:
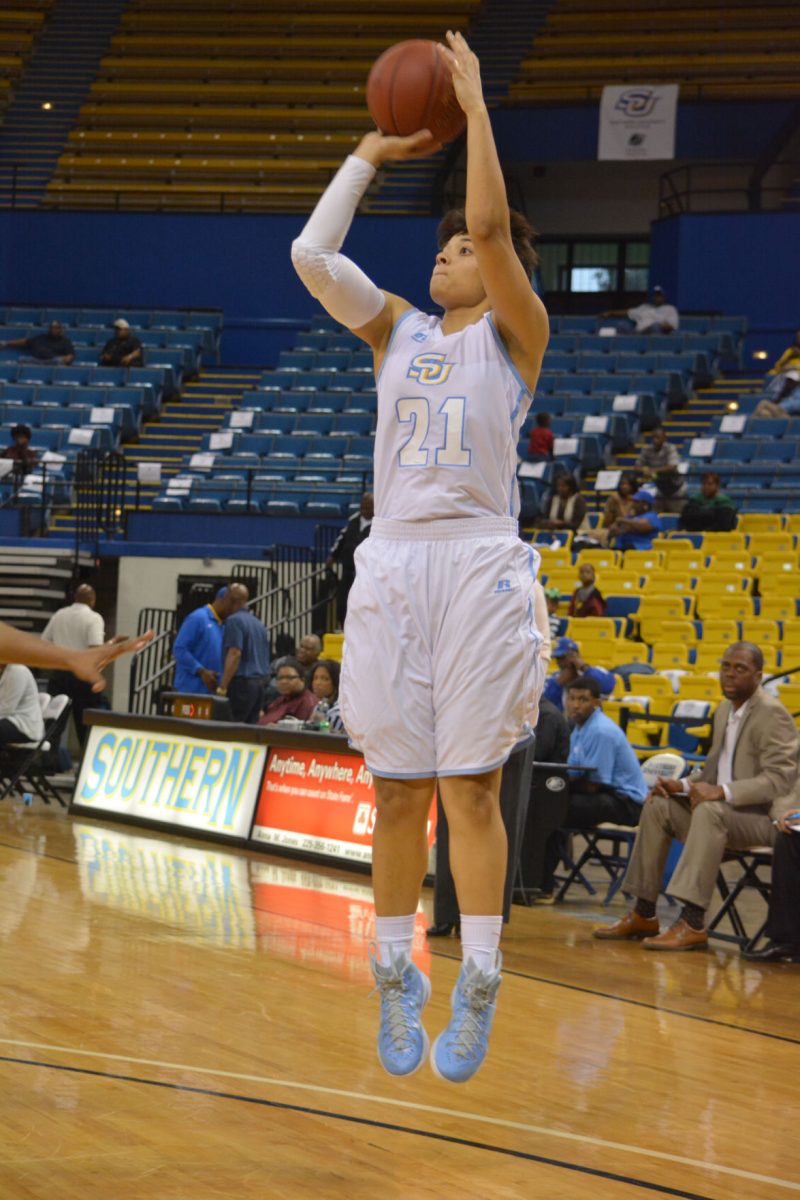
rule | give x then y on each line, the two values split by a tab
320	803
193	783
637	122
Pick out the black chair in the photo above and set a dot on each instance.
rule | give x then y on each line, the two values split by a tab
27	767
750	860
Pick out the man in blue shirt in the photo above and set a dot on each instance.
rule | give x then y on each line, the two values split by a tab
611	786
570	667
198	646
637	532
245	649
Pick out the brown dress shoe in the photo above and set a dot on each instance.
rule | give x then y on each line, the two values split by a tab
679	936
628	927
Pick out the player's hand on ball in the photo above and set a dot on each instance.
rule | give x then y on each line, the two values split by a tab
378	148
466	72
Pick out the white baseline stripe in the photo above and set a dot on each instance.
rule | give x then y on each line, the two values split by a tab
367	1097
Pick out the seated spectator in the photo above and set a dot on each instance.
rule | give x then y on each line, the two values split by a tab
746	781
20	711
655	317
19	451
569	667
659	462
587	600
783	923
307	652
612	789
323	679
567	507
781	397
540	445
637	532
122	350
552	597
53	346
294	698
709	510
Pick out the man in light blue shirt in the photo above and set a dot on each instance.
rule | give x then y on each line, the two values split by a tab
610	785
198	646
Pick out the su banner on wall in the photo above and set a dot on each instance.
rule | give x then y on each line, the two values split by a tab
193	783
320	803
637	122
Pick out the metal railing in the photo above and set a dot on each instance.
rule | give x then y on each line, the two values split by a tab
293	594
720	187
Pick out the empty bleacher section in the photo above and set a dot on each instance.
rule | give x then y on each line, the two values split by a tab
60	64
249	106
86	406
722	49
20	25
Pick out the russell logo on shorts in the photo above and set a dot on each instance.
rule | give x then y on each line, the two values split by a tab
503	585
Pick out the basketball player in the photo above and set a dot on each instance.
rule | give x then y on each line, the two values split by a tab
441	673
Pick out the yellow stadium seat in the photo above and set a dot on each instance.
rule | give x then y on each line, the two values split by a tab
663	583
760	523
792	522
564	578
612	707
711	605
713	543
599	559
619	582
779	608
730	562
628	651
772	543
658	687
644	561
708	655
669	656
678	631
771	564
681	558
591	628
700	687
554	558
719	630
332	645
724	583
789	696
782	584
762	631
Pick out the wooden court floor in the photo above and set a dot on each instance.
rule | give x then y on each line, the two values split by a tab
185	1022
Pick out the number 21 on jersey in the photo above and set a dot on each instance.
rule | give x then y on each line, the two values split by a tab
416	411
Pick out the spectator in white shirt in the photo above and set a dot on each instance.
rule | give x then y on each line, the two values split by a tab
77	627
746	783
20	711
655	317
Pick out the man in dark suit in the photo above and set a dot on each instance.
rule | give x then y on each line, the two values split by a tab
783	924
745	783
343	551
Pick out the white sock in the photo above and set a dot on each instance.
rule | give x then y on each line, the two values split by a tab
394	935
480	939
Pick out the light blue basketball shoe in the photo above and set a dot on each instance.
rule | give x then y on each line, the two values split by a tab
459	1051
404	990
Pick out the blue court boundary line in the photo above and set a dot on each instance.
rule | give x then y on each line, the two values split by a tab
305	1110
557	983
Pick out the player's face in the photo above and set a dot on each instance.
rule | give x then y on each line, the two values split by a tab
456	281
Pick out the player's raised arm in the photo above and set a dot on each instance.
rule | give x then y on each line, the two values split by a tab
343	289
518	312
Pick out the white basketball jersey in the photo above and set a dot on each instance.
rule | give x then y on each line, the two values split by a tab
450	409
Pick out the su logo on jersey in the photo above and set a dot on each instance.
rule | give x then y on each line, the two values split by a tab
429	369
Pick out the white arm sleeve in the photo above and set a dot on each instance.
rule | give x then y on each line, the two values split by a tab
342	287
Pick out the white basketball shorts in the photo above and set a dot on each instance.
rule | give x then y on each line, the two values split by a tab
441	673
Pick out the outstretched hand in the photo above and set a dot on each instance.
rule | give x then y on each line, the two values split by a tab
465	70
88	664
378	148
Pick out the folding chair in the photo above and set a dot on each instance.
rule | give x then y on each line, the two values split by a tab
27	766
750	860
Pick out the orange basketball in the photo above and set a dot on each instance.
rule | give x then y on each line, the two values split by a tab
410	88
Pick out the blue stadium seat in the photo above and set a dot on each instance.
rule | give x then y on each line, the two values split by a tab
280	508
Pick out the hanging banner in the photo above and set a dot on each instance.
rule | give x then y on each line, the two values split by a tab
637	122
